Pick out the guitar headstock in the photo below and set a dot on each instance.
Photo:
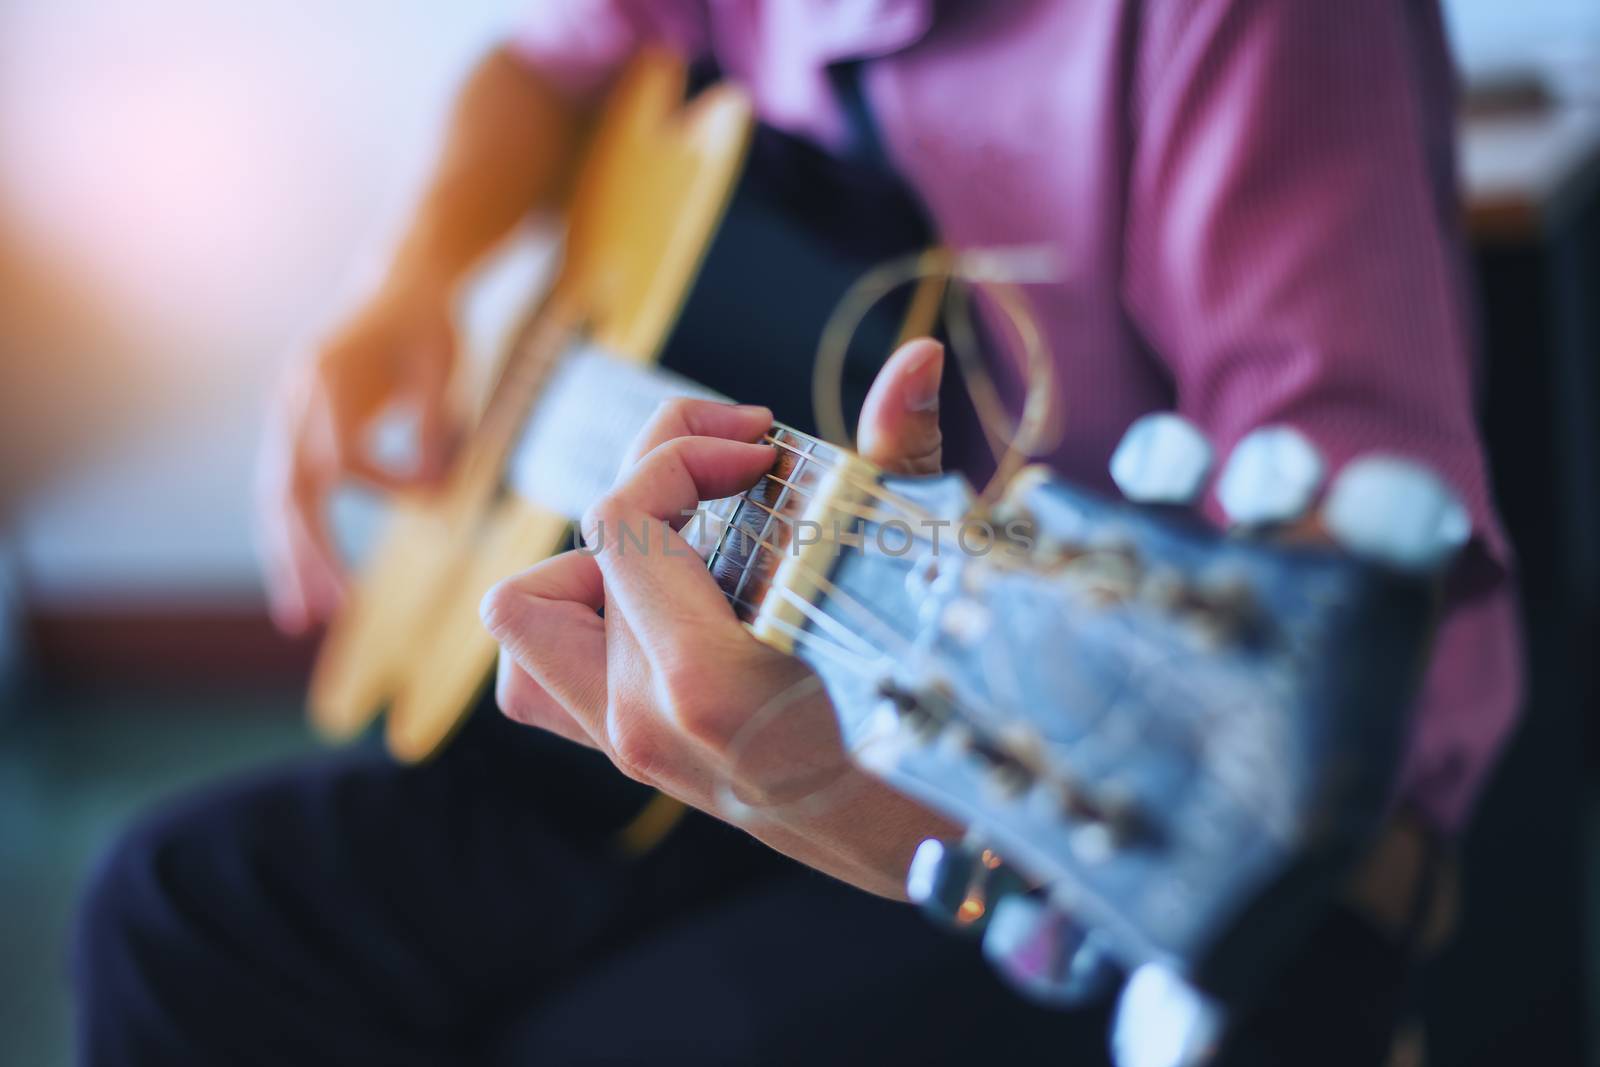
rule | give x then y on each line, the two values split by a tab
1178	737
1168	727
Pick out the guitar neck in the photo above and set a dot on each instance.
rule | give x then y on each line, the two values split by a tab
773	549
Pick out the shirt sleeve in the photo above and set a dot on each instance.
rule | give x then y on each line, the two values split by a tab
580	44
1295	256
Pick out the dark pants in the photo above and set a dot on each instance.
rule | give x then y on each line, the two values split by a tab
474	909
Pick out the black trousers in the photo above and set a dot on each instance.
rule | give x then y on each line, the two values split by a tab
475	910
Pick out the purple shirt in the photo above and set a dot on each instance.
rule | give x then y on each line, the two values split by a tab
1254	206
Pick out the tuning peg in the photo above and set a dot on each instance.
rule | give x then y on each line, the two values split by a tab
1271	477
1163	1021
1044	954
1163	459
957	883
1396	511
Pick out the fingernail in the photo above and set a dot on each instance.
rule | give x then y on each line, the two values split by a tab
754	409
923	392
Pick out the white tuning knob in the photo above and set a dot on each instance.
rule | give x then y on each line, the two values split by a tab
1271	477
1162	459
1044	954
1163	1021
1396	511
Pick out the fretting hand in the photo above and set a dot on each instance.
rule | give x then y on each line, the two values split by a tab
665	679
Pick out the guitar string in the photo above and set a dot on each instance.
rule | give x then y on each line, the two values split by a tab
850	660
836	593
849	508
824	621
814	613
824	584
862	666
821	579
913	532
1000	272
866	486
855	539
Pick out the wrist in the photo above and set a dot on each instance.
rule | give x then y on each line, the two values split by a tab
424	266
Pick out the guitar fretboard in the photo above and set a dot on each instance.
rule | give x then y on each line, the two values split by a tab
752	533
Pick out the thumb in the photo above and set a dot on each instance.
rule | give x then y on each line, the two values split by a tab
899	428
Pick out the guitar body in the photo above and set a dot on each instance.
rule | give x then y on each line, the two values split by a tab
696	239
655	180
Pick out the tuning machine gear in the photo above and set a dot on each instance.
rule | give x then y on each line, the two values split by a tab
958	884
1045	954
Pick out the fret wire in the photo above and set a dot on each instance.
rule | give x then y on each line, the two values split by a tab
841	540
1001	561
856	540
774	513
871	487
849	508
766	524
716	549
866	487
744	567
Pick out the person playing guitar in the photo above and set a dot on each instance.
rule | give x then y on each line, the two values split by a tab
1253	202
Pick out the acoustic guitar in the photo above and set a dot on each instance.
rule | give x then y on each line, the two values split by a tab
1169	743
694	238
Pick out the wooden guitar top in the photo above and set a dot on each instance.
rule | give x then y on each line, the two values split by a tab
655	180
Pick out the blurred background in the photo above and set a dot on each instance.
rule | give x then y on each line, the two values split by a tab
189	190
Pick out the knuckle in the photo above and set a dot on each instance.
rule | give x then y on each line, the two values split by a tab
675	411
633	746
677	679
692	709
669	419
928	459
602	515
509	696
666	460
701	721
